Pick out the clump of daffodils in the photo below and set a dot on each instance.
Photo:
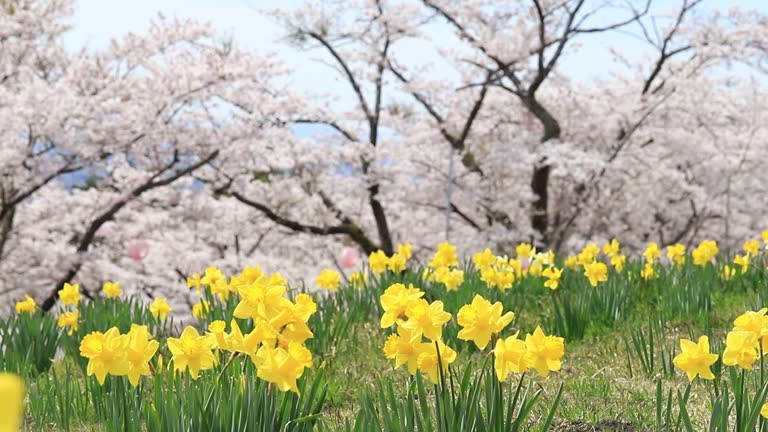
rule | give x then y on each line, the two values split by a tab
538	351
69	318
443	266
378	261
497	272
416	320
276	343
112	353
705	252
481	322
743	346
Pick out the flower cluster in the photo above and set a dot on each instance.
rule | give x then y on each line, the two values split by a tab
416	319
70	296
497	272
705	252
501	272
112	353
481	321
276	343
538	351
744	344
443	267
378	261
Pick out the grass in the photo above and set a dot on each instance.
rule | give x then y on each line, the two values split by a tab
617	372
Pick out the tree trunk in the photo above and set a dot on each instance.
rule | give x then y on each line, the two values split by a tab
540	177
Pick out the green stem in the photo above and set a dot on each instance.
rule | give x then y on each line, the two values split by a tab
762	372
218	378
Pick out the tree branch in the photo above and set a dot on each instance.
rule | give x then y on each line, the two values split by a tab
348	229
110	213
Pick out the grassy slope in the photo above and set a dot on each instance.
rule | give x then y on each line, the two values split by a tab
600	391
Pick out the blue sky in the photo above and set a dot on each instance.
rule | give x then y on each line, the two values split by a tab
97	21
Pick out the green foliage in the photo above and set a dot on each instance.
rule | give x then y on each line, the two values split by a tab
477	402
28	343
651	349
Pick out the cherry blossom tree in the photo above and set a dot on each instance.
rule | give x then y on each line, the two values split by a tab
136	118
173	150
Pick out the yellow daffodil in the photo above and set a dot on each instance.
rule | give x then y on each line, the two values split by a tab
433	357
262	299
106	353
12	407
405	250
652	252
695	358
70	294
618	262
524	251
545	258
740	349
572	262
404	348
395	301
141	349
596	272
480	320
588	254
220	289
489	275
328	279
212	276
160	308
195	282
451	278
249	343
755	322
505	279
553	275
111	289
727	272
218	330
676	254
377	262
28	305
612	248
743	261
282	367
545	351
648	271
445	256
358	280
69	319
752	247
396	263
484	260
192	351
705	252
510	355
426	318
535	269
